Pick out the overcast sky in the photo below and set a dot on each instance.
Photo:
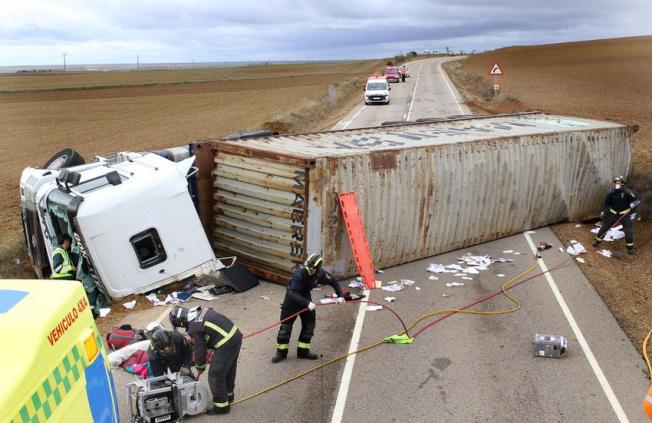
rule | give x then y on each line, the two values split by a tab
34	32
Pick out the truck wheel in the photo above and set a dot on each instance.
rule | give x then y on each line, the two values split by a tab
64	158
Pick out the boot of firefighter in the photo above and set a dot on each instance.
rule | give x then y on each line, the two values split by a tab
281	354
219	408
303	352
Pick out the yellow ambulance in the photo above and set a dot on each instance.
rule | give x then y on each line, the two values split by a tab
53	364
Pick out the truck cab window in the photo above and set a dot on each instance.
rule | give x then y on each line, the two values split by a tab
148	248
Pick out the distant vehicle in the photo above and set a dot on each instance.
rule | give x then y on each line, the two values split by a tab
376	90
132	220
392	74
52	358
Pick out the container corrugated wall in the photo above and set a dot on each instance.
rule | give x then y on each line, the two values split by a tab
272	208
260	212
420	202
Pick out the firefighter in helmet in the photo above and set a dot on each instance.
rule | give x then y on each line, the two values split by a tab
618	205
297	298
212	330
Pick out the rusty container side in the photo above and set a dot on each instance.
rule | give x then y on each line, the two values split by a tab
423	201
260	213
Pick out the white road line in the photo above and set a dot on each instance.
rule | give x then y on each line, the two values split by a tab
338	411
348	122
443	75
162	316
414	91
606	387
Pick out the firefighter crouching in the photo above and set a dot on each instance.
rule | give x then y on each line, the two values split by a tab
169	350
297	297
212	330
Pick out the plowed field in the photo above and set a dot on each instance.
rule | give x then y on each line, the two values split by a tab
603	79
103	112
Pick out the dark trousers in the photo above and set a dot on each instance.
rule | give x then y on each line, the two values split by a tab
221	373
610	220
308	322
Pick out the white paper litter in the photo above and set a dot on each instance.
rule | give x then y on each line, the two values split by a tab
407	282
471	270
104	311
393	287
459	274
154	299
575	248
328	301
435	268
445	295
578	226
265	297
580	259
356	284
561	249
455	267
612	234
605	253
480	261
501	275
417	288
374	307
530	232
129	305
517	253
390	299
468	278
433	278
450	284
204	295
508	251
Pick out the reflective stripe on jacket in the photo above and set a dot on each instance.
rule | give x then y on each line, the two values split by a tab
65	270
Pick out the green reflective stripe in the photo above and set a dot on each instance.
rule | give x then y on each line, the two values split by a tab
304	345
52	391
221	404
225	336
282	346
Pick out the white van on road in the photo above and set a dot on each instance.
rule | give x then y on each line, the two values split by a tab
376	90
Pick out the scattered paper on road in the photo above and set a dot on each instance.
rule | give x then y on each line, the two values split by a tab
104	311
471	270
578	226
356	284
154	299
417	288
407	282
467	278
204	295
374	307
530	232
508	251
129	305
605	253
433	278
580	259
265	297
394	287
575	248
445	295
501	275
450	284
390	299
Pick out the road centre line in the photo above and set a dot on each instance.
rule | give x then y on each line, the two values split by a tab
338	411
604	383
414	91
348	122
445	77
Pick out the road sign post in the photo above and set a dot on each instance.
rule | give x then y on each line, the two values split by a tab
496	71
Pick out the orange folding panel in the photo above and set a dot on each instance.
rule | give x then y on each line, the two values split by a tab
357	238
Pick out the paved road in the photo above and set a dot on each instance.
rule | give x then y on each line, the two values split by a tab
466	368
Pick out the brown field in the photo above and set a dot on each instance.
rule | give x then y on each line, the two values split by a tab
603	79
103	112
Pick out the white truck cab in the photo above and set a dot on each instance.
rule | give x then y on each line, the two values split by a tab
132	221
376	90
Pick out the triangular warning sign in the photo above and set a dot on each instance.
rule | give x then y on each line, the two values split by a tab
495	70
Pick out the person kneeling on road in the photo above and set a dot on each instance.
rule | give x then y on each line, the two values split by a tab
297	298
169	350
212	330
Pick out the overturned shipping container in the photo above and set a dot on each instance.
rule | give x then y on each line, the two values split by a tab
422	188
